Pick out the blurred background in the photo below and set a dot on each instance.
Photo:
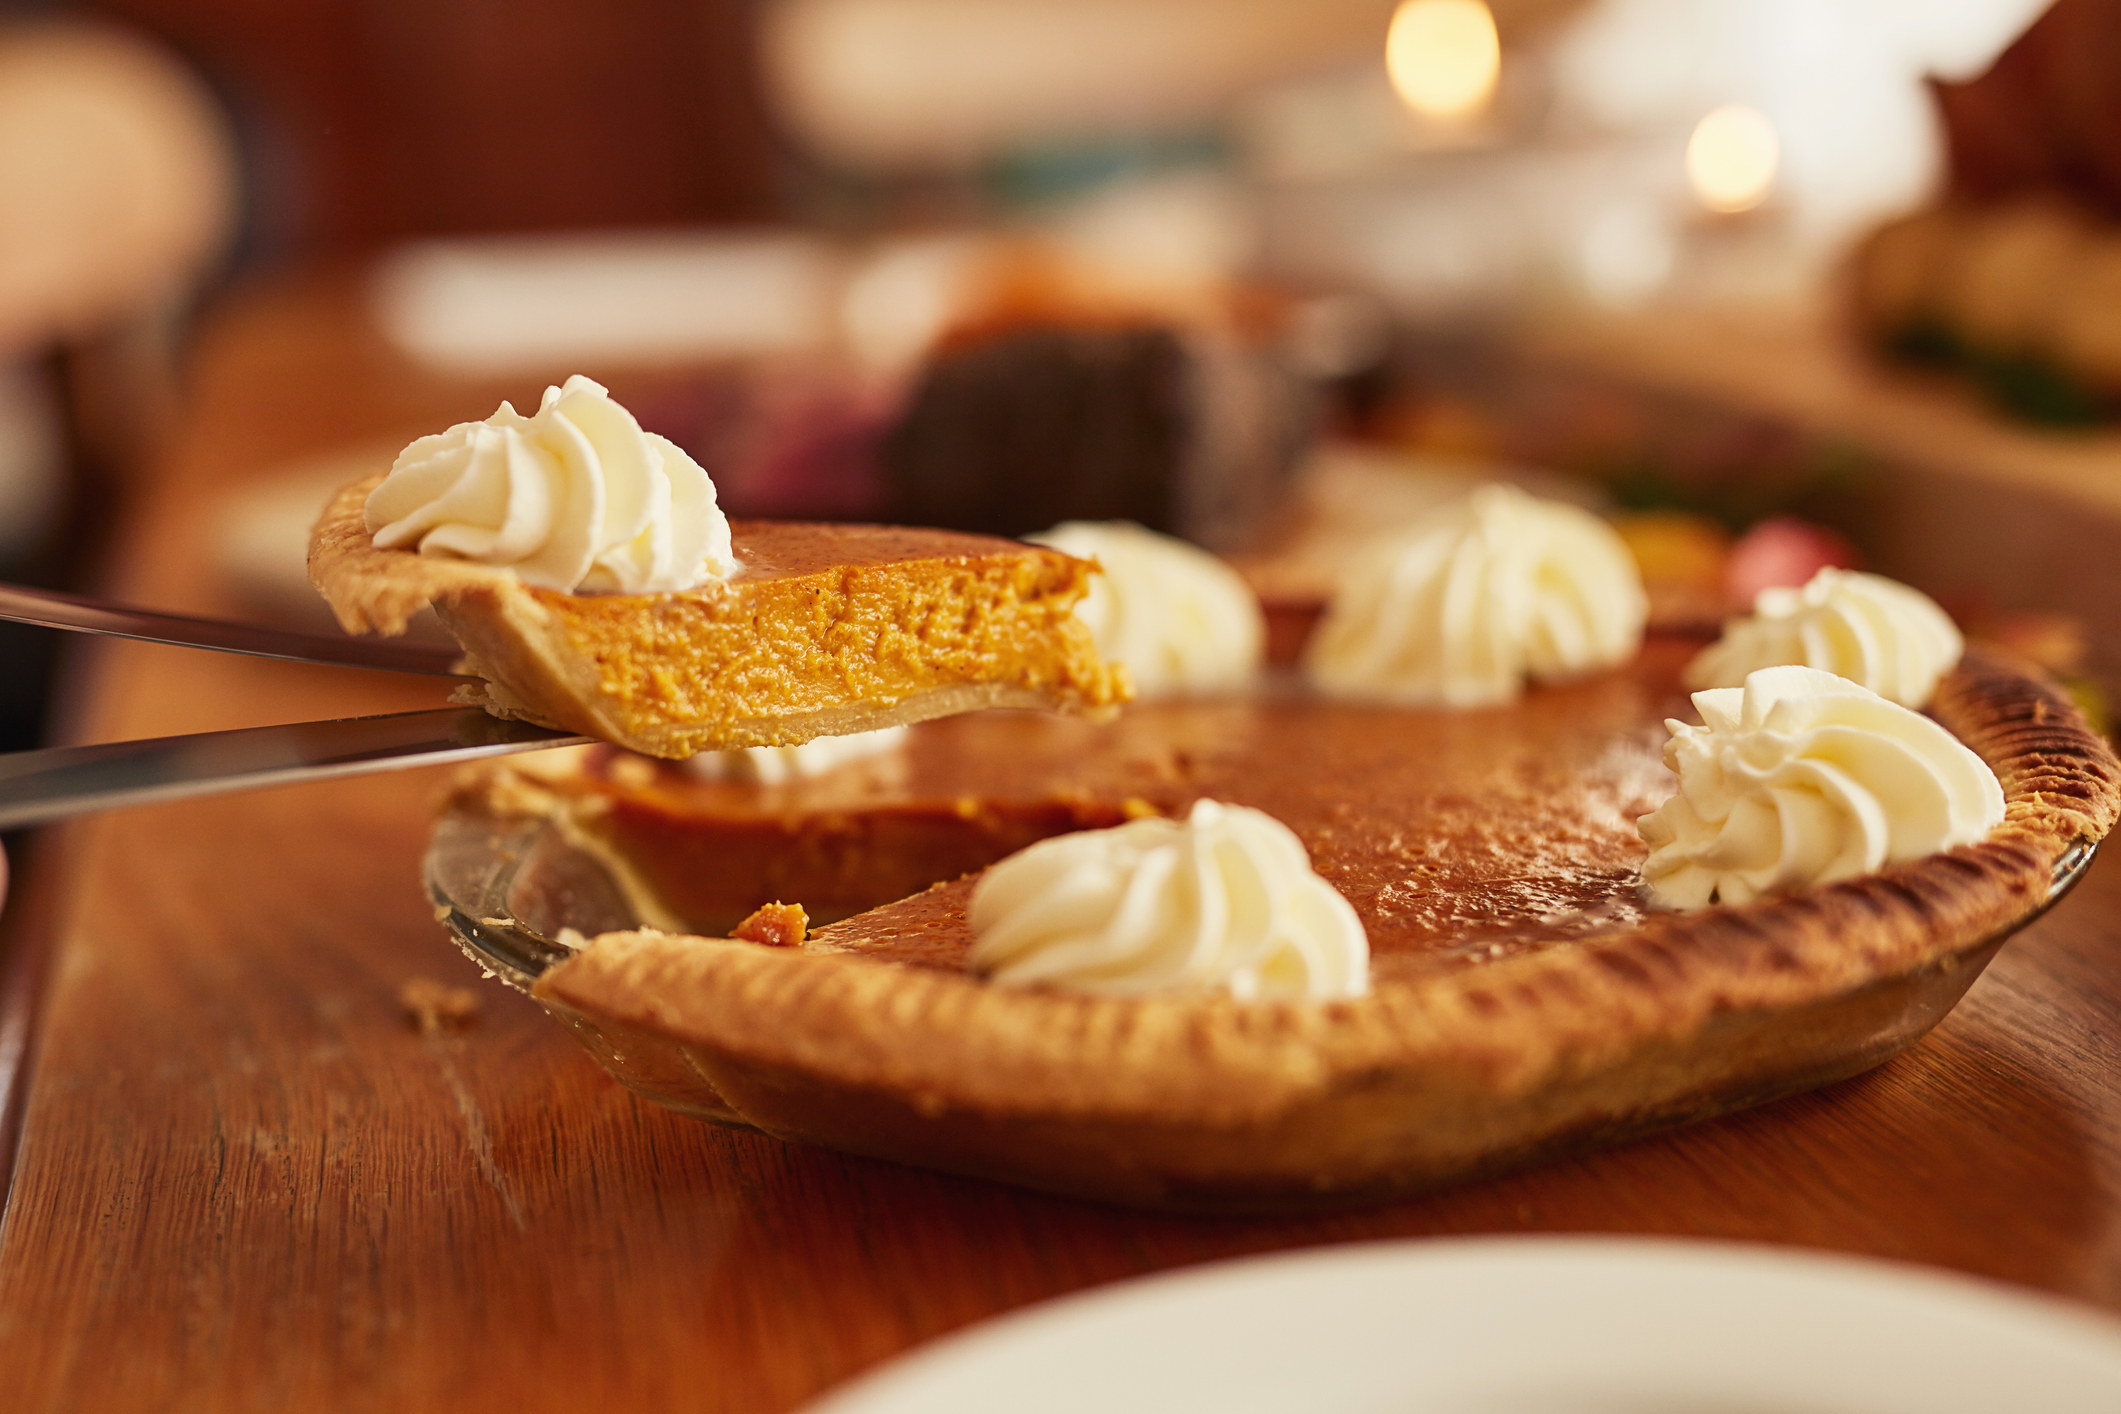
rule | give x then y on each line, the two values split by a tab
1777	283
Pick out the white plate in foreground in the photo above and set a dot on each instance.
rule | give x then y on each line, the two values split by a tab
1510	1325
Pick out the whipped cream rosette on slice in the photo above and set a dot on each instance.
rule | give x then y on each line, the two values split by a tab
587	570
576	496
1802	777
1475	599
1176	617
1894	640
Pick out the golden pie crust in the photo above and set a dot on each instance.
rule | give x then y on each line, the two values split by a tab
871	1038
826	630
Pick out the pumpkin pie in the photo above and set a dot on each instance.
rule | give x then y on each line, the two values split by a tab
1525	998
824	630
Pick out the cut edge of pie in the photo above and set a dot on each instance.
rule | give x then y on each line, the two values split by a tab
827	630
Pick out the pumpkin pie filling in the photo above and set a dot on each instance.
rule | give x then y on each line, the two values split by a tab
824	630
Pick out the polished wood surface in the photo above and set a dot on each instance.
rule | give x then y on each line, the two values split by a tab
246	1179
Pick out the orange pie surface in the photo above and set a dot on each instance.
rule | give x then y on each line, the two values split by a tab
1453	834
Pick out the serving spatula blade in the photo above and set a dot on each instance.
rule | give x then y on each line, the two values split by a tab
48	609
40	786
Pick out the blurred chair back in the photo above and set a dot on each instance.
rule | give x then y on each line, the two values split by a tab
118	192
119	176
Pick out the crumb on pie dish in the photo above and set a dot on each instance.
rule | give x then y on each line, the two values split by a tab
1522	992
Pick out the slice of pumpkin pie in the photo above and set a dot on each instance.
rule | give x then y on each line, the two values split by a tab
595	586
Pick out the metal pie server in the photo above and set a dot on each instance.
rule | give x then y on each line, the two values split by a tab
50	610
39	786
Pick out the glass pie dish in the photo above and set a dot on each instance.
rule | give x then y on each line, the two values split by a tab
517	897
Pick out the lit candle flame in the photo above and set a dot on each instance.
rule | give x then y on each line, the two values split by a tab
1731	158
1443	56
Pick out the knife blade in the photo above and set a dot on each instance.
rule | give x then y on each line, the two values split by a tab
49	784
48	609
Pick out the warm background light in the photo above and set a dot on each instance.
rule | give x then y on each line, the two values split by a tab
1731	158
1443	56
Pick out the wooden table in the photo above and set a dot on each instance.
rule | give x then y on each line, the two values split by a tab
245	1181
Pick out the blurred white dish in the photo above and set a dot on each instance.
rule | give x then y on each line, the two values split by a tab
1568	1325
261	530
490	304
261	538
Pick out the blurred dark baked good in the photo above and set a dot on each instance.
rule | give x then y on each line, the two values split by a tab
1062	394
1019	429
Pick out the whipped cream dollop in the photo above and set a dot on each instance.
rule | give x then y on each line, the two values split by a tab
1177	617
778	765
1475	598
1224	898
1869	629
575	496
1802	777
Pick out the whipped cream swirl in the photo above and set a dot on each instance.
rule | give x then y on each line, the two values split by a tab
1222	899
575	496
1864	627
1177	617
778	765
1801	777
1475	598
